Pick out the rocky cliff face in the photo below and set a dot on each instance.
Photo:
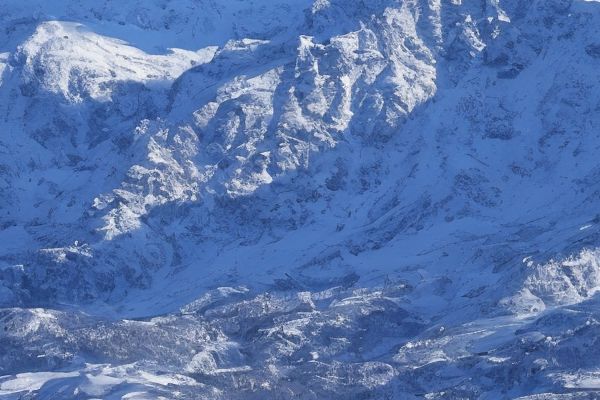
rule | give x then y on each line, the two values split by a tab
381	198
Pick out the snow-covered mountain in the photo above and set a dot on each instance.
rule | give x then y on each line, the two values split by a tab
220	199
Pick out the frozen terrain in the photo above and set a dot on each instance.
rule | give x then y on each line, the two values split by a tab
313	199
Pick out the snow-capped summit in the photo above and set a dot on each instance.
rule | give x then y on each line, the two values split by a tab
307	198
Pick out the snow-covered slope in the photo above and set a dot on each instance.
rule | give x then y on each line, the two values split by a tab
277	198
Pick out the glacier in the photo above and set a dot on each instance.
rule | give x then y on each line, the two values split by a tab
312	199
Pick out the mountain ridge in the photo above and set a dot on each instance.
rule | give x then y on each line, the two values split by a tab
429	161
